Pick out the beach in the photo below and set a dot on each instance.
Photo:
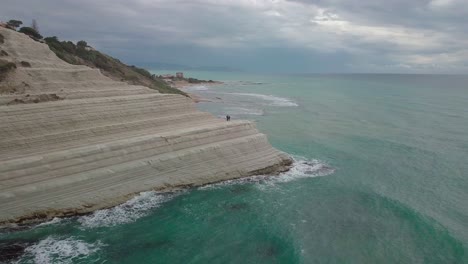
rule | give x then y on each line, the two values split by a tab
186	86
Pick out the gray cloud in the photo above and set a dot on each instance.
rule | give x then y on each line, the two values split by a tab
265	35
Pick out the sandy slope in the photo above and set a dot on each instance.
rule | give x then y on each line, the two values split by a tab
96	142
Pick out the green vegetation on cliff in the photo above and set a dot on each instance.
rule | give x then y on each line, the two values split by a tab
194	80
30	32
5	67
82	54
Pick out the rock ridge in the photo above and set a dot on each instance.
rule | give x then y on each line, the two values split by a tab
98	142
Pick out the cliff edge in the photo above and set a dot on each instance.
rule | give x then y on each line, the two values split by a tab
73	140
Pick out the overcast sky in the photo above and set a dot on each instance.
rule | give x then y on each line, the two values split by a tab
408	36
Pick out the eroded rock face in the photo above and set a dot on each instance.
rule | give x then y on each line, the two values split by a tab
28	99
102	141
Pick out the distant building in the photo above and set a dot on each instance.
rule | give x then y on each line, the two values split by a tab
180	75
167	76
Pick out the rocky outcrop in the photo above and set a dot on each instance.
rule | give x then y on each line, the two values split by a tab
99	141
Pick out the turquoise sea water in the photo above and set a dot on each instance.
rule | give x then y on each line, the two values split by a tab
381	177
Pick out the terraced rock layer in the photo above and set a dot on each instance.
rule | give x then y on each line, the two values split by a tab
73	140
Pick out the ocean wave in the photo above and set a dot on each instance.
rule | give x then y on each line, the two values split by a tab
54	221
302	168
274	100
243	83
243	111
197	88
127	212
251	83
56	250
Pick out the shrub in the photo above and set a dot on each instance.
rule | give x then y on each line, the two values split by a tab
14	24
193	80
50	40
69	47
53	43
65	57
6	66
25	64
30	32
81	44
142	71
101	61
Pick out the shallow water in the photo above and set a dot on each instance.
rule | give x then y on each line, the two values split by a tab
381	176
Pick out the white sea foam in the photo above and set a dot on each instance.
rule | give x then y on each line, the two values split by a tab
233	111
302	168
56	250
127	212
273	100
197	88
55	220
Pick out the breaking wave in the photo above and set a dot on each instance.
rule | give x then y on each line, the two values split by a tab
56	250
127	212
273	100
243	83
54	221
302	168
243	111
251	83
197	88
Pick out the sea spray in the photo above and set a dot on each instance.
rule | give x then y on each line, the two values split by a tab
197	88
127	212
302	168
141	205
59	250
54	221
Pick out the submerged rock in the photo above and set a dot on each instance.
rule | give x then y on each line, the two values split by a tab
11	250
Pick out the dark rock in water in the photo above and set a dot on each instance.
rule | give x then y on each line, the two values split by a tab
326	169
269	251
239	189
124	250
11	250
322	169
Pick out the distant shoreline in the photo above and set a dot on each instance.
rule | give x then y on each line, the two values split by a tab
184	84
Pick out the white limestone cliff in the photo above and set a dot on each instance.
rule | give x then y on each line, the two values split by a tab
73	141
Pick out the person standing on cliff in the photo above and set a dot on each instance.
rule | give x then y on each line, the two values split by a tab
228	118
